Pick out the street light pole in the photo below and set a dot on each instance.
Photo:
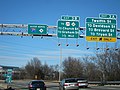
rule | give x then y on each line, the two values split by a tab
60	64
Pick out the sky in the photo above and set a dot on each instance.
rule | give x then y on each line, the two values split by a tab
17	51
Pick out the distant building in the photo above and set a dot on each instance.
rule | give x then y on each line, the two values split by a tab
3	70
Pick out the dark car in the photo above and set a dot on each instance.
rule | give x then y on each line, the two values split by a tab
36	85
69	84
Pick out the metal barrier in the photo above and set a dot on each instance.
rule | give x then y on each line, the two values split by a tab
105	83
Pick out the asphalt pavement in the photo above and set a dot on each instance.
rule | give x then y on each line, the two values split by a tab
93	88
55	86
90	88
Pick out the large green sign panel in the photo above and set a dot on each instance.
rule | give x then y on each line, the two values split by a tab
68	29
37	29
103	30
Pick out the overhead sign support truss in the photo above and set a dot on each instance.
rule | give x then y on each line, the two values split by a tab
21	30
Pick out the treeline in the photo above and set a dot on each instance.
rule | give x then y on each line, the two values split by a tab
35	70
103	66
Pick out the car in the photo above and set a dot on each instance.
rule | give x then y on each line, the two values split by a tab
69	84
36	85
82	82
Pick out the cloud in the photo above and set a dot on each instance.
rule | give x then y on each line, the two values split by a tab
13	60
48	56
45	54
3	46
76	51
11	57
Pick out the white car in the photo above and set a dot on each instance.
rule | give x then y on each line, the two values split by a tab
82	82
69	84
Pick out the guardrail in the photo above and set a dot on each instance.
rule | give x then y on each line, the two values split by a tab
105	83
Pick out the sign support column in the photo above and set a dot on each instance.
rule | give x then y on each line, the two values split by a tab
60	64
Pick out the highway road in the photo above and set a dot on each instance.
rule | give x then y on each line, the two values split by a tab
89	88
93	88
55	86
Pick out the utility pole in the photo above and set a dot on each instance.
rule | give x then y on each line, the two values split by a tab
60	64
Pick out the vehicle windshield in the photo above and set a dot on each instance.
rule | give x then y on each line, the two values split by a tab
81	79
38	83
70	81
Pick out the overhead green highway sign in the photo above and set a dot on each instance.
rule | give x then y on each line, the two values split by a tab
65	17
37	29
68	29
110	16
100	29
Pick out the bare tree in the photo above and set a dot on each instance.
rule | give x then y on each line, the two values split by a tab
46	71
104	66
22	73
55	71
114	65
34	69
72	67
90	68
109	65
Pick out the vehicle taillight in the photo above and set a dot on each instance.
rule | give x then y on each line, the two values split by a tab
65	84
45	86
30	85
77	84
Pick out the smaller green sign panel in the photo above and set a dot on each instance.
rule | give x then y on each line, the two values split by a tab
68	29
37	29
110	16
76	18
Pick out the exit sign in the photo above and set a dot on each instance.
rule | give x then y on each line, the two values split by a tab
110	16
100	29
65	17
